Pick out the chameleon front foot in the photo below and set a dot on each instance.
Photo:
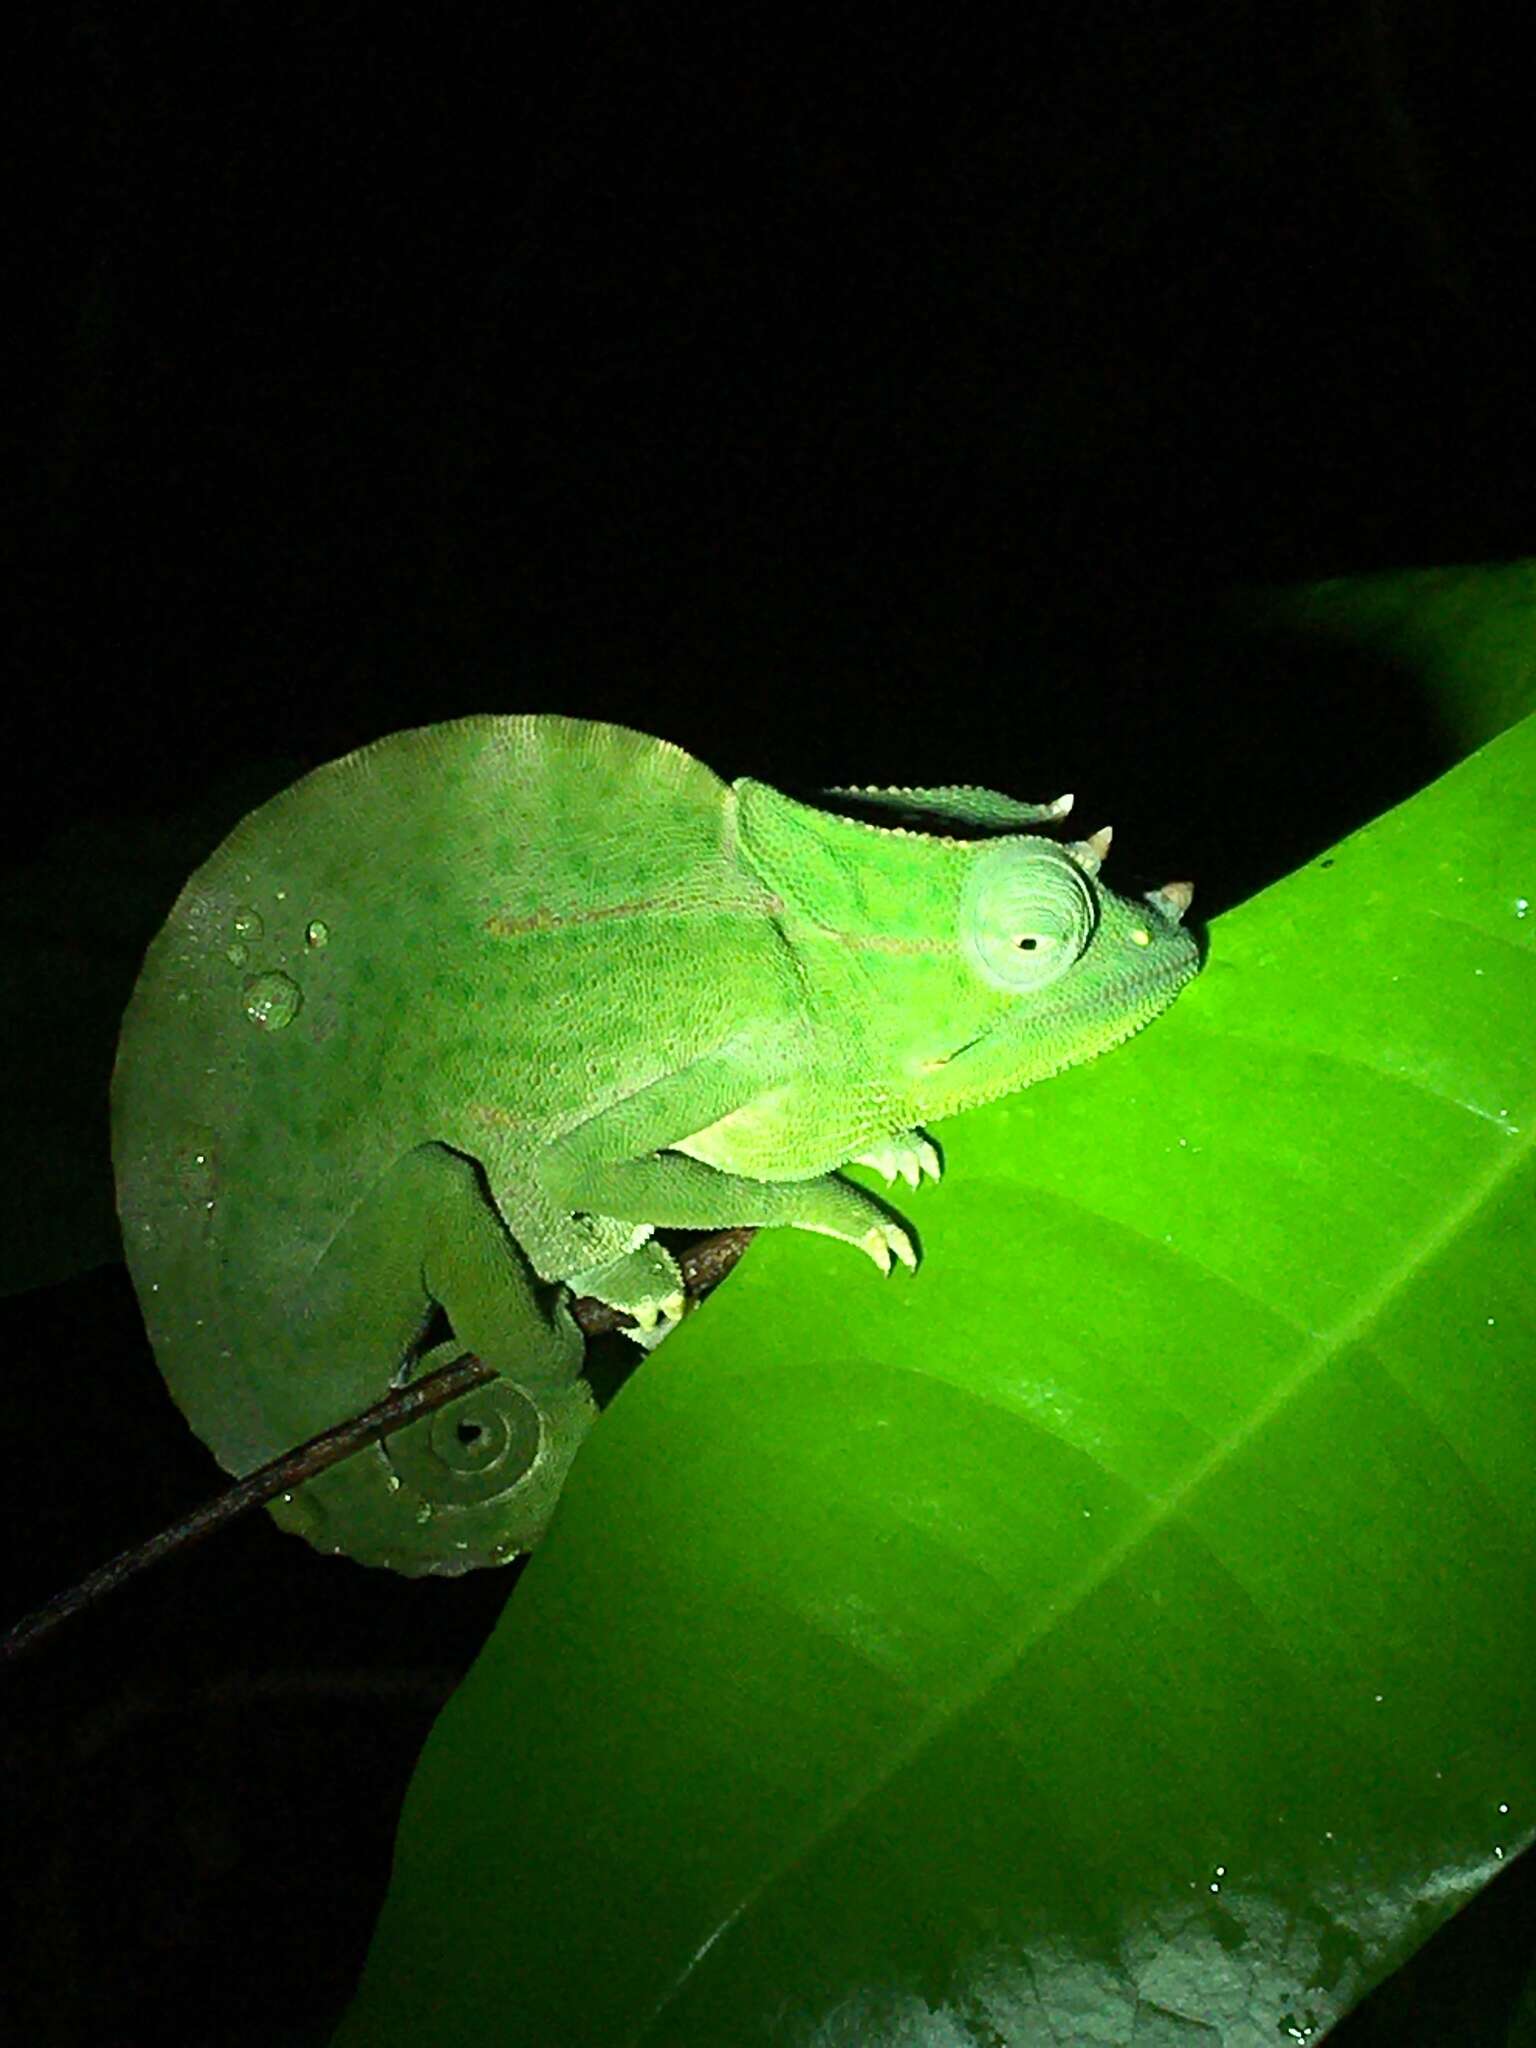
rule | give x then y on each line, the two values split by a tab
911	1156
644	1283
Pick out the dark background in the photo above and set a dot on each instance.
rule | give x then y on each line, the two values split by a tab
849	395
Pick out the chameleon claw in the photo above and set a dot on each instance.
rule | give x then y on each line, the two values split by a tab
668	1309
883	1160
656	1315
656	1319
884	1240
911	1157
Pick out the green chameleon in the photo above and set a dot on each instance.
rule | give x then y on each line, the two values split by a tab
475	1009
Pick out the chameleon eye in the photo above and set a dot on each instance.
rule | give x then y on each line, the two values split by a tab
1026	913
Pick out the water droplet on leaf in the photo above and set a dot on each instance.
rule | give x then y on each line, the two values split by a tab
271	1000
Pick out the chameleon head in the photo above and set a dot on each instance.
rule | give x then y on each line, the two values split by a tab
1060	967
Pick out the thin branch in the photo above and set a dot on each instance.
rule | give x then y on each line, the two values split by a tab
401	1405
703	1265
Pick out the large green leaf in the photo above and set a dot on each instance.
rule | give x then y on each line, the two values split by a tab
1124	1630
1464	632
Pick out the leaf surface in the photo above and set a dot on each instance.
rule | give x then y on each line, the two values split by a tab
1126	1630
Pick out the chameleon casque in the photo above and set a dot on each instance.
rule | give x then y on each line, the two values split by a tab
454	1023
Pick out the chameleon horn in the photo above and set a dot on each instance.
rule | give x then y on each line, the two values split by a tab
1092	852
1173	899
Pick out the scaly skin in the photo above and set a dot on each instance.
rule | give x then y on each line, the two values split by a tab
452	1025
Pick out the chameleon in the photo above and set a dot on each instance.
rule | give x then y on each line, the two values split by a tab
439	1036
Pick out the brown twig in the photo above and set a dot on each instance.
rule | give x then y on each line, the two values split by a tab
703	1265
403	1404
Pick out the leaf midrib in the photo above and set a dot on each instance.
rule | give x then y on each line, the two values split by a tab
1319	1351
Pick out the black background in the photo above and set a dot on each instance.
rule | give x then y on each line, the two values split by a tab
847	395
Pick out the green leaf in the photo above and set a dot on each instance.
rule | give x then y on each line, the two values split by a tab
1125	1629
1465	633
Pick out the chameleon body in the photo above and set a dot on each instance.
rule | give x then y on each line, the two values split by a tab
451	1025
